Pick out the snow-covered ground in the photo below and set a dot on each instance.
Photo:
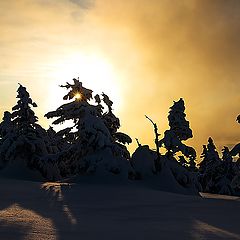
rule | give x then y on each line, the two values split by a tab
31	210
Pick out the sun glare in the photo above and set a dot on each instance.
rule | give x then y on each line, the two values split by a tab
94	71
78	96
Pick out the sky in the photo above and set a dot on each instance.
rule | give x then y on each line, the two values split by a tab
144	54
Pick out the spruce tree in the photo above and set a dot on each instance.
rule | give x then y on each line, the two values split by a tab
177	122
23	116
179	131
113	124
6	136
6	126
236	149
18	143
210	157
90	130
226	173
94	143
209	167
27	145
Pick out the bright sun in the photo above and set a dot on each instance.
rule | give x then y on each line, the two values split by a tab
94	71
78	96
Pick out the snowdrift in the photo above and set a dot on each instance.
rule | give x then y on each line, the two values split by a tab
30	210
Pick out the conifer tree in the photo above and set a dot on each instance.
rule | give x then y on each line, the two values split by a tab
179	131
23	116
209	166
94	132
6	126
19	142
210	157
226	172
6	136
236	149
177	122
90	130
113	124
26	145
144	159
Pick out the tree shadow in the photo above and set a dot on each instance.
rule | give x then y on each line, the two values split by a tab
217	217
30	210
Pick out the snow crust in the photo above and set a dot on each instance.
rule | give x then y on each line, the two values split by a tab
47	211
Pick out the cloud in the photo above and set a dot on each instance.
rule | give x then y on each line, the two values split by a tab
186	49
85	4
161	51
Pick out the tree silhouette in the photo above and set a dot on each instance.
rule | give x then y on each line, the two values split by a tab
26	143
179	131
158	159
95	133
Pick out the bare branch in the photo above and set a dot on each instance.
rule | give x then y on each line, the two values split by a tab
138	143
157	162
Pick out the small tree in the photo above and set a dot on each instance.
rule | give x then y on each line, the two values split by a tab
6	136
209	157
26	143
236	149
179	131
6	126
18	143
209	167
113	124
23	116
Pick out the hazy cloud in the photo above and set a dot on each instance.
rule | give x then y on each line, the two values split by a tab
86	4
161	49
186	49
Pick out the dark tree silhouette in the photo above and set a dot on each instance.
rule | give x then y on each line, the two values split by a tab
96	144
158	159
26	143
179	131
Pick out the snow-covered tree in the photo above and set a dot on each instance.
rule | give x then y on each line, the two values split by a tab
113	124
6	126
95	133
175	173
6	132
183	161
24	120
177	122
209	166
143	162
179	131
210	157
23	116
219	175
25	146
236	149
90	130
226	173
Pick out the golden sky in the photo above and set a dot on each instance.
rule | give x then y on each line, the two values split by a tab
142	53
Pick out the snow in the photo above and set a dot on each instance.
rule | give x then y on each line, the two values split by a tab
30	210
18	169
143	161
